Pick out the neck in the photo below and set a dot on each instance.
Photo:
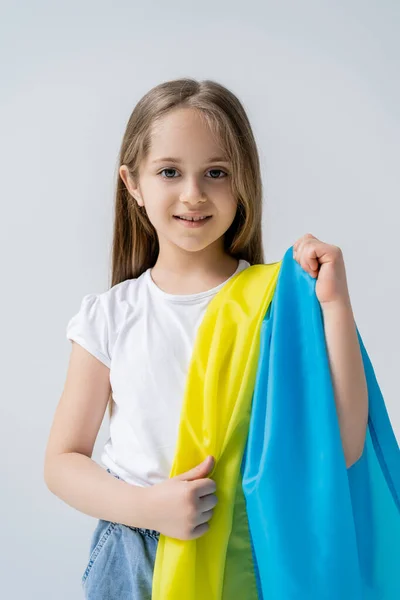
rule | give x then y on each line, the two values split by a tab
183	272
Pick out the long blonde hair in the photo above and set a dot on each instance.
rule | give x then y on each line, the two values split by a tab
135	244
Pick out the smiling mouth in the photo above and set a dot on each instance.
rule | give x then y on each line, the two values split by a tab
192	219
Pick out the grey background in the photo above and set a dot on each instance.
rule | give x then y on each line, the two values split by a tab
320	82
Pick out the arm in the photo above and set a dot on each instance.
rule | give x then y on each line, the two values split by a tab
347	370
179	507
69	471
87	487
325	262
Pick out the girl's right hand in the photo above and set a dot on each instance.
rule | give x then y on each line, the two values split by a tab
182	506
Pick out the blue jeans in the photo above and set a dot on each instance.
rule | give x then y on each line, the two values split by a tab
121	562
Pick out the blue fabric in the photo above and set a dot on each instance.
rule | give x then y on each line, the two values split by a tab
320	531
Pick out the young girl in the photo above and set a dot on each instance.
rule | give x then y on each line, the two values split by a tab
187	219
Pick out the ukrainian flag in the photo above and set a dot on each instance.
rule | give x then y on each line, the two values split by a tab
292	522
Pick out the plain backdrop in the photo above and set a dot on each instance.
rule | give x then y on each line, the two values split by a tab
320	83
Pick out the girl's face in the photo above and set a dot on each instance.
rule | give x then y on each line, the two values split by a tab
185	173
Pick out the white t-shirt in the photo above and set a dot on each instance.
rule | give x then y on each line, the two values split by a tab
146	338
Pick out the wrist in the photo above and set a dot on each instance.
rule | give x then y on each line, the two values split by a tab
342	304
138	506
146	507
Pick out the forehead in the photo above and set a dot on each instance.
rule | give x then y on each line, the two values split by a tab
183	133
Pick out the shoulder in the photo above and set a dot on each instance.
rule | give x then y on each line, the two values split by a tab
109	302
100	317
117	302
108	307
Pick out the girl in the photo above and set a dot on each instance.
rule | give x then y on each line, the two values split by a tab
187	219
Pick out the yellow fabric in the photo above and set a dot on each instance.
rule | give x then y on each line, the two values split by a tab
215	421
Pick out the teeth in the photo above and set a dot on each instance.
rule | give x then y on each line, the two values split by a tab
193	218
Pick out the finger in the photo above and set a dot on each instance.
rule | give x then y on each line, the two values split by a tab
199	530
204	517
310	265
199	471
299	246
310	259
207	502
203	487
306	256
303	238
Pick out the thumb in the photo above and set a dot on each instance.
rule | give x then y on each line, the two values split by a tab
198	472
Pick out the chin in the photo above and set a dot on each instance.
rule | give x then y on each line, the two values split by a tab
194	247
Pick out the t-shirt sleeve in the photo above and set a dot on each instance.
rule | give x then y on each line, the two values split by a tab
89	328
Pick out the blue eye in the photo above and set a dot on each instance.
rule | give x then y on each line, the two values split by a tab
220	171
210	170
167	170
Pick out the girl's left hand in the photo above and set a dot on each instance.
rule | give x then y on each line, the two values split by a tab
325	262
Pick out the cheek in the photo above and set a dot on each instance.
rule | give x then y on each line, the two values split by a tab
159	201
222	197
230	207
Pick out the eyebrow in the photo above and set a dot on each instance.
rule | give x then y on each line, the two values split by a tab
177	160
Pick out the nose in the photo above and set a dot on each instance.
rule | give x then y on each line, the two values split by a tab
192	192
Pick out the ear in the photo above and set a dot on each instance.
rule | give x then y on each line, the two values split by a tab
130	184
